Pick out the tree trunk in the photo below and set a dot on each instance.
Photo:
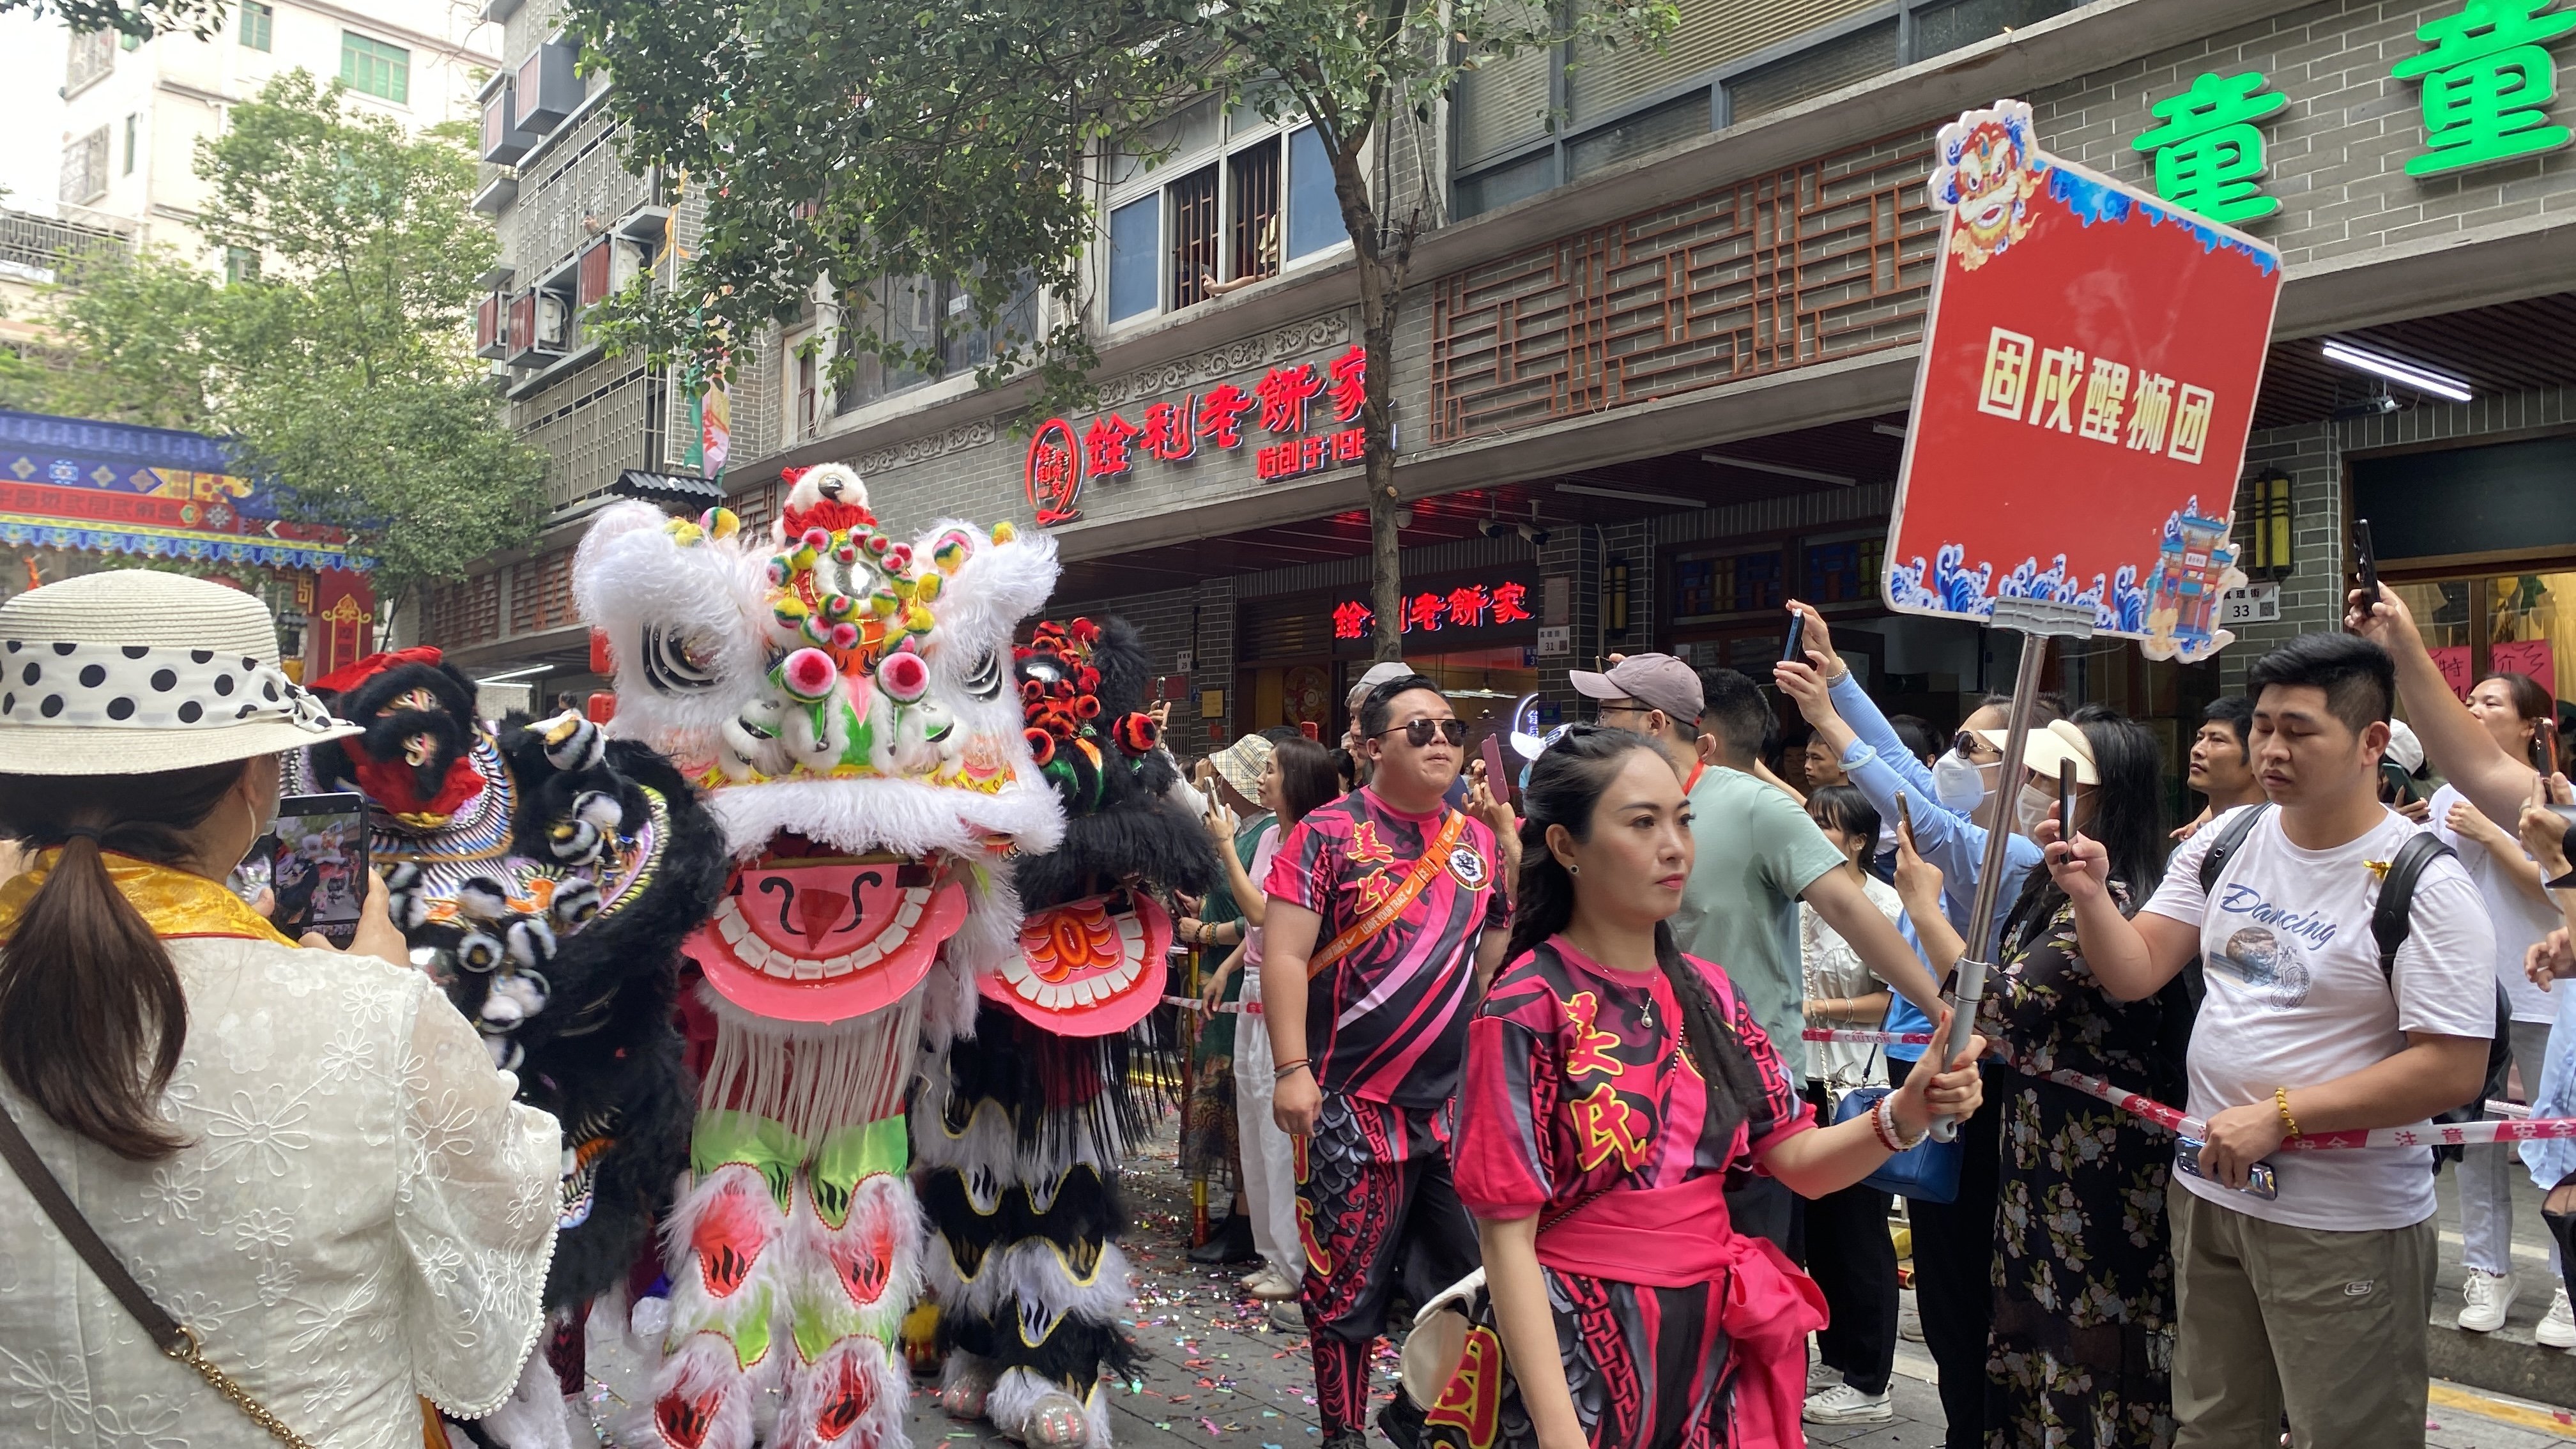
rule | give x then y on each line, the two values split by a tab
1381	281
1377	457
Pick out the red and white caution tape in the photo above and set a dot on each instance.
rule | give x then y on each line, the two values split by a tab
1230	1008
2518	1126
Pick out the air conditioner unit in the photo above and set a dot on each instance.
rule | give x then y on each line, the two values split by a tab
548	87
536	329
625	263
554	321
596	264
503	141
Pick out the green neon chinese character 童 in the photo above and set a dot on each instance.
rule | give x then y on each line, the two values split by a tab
2209	154
2485	79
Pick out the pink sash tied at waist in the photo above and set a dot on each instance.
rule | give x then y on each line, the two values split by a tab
1674	1237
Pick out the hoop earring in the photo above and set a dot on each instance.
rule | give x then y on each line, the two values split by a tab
1574	870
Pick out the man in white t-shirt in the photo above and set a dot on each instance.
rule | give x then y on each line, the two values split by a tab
2313	1303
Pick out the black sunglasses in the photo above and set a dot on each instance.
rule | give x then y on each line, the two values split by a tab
1419	731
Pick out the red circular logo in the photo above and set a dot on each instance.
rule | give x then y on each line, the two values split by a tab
1055	473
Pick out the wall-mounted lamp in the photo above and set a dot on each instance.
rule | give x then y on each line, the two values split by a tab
1618	579
2266	512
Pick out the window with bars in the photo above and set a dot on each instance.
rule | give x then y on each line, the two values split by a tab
1210	202
258	25
92	54
375	67
918	313
84	176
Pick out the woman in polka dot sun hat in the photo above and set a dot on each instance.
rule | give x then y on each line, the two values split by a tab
132	671
238	1116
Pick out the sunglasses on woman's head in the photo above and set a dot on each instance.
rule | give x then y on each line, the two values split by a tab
1418	732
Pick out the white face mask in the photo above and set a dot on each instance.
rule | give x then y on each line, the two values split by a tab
1958	783
2031	808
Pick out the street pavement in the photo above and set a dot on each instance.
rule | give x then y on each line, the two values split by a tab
1220	1375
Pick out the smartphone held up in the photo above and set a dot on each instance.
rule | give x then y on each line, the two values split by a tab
318	866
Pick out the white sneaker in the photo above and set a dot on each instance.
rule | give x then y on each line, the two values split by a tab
1275	1287
1256	1277
2484	1300
1843	1404
2558	1330
1821	1378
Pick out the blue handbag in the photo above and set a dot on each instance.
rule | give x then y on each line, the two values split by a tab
1925	1172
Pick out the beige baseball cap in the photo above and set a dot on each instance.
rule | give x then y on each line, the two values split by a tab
1657	681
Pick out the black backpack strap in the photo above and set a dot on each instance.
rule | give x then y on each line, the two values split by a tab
2224	848
2389	923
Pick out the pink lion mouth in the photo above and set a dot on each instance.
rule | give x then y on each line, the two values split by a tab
824	937
1089	967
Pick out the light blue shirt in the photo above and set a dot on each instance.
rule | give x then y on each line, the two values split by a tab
1904	1015
1883	769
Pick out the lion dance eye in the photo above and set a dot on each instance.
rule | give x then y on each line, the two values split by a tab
807	674
903	676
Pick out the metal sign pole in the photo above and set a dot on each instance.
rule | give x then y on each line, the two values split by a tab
2037	621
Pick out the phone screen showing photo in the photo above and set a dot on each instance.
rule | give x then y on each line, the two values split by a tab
319	871
256	870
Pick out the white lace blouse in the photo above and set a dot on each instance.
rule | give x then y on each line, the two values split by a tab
363	1216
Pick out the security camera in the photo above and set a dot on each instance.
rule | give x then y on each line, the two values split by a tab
1492	527
1531	533
1404	518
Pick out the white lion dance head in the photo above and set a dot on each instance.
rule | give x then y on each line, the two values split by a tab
848	699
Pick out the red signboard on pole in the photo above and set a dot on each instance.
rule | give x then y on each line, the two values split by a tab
2090	365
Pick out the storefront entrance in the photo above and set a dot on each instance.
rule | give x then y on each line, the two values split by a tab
2488	561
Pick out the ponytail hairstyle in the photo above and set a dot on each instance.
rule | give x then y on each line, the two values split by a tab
91	1015
1565	787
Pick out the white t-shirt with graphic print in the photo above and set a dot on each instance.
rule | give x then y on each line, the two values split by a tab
2296	999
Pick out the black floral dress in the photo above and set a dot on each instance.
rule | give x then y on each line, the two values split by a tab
2082	1347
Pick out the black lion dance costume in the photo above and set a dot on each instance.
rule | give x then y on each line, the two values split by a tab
1018	1132
546	877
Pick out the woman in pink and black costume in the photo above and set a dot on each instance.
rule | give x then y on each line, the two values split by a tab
1612	1087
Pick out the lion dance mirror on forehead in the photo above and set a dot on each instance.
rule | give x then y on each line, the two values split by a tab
846	700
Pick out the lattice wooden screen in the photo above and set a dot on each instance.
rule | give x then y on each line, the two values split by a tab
1825	259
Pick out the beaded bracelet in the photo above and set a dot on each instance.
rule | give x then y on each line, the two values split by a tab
1882	1120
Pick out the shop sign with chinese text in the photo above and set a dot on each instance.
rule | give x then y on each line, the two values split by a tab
1297	420
1435	611
2090	365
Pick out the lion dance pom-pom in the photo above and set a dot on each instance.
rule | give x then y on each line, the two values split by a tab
845	697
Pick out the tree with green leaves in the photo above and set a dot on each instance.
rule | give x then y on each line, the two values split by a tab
838	142
141	19
342	365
